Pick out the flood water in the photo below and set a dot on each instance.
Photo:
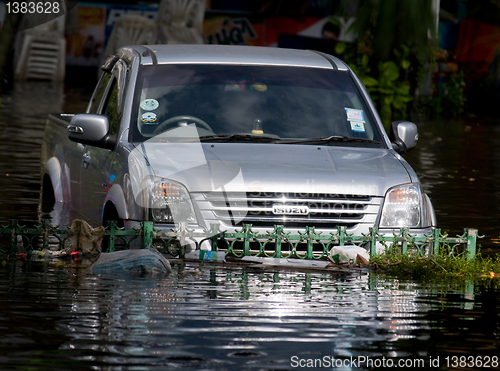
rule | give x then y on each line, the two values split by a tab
54	315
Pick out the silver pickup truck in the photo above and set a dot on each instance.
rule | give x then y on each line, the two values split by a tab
226	135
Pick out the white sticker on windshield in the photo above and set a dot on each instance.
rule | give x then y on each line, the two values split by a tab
149	104
149	117
358	126
355	115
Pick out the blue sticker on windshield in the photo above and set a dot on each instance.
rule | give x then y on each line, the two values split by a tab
355	115
358	126
148	117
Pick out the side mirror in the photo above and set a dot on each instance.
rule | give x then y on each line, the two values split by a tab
403	136
87	128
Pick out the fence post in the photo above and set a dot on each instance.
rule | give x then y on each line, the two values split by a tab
246	242
278	230
404	240
373	242
147	234
111	232
44	227
310	238
471	243
436	233
213	242
341	231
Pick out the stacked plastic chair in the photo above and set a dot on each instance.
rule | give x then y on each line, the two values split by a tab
42	52
131	29
181	21
178	22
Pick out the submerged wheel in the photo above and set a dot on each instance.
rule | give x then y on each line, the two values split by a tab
110	214
47	198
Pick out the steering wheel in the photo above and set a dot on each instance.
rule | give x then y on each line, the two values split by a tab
177	121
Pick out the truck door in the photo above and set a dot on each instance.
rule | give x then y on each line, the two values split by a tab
76	157
96	162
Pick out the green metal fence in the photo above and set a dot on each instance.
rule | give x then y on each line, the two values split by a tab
277	243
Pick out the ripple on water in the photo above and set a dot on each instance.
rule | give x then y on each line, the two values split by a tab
228	318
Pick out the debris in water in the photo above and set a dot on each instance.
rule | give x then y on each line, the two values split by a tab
142	261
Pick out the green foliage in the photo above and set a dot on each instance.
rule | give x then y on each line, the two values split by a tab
448	100
388	84
396	38
386	24
340	48
446	264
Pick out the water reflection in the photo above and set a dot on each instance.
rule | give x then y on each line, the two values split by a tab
458	165
233	318
22	118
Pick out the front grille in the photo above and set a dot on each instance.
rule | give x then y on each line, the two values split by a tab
289	210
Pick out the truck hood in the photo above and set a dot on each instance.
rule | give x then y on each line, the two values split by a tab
265	167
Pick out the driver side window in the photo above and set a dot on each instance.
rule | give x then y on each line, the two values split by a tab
105	101
111	109
99	94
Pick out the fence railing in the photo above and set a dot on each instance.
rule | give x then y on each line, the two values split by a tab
277	243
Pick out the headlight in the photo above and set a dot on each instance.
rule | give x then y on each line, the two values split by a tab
169	202
402	208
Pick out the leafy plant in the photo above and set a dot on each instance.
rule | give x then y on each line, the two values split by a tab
385	25
395	39
445	264
448	99
388	85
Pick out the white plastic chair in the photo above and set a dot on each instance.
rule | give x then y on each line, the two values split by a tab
131	29
181	21
41	51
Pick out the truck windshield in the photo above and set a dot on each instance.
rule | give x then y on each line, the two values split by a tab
284	104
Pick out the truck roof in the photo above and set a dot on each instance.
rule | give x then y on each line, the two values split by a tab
236	54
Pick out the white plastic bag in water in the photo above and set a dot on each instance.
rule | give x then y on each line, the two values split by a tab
348	254
147	261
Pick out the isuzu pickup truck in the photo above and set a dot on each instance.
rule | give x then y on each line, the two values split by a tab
226	135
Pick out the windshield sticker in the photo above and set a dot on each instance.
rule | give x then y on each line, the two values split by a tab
149	117
355	115
358	126
149	104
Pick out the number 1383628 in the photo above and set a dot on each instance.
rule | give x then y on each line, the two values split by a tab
33	7
471	361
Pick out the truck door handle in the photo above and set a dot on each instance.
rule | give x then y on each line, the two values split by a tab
86	159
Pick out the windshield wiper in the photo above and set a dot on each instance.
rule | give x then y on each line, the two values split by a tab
237	137
333	138
267	139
